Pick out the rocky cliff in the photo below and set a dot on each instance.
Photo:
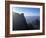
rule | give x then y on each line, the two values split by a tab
19	22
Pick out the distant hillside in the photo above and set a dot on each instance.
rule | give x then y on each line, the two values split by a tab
29	19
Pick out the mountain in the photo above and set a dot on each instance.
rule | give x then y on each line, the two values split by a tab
29	19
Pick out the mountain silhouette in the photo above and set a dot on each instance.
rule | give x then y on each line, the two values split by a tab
19	22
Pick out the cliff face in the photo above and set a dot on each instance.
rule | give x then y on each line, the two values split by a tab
19	22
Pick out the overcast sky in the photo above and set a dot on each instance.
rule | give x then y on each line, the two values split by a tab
27	11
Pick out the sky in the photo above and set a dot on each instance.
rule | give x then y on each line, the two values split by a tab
27	11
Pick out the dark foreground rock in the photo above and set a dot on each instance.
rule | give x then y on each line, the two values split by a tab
19	22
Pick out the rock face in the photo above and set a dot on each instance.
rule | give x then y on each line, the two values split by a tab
19	22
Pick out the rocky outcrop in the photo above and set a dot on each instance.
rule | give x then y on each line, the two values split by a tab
19	22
